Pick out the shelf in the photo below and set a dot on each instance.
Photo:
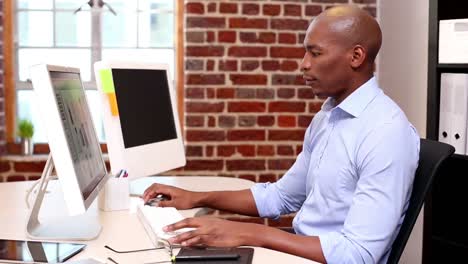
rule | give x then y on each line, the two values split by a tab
452	66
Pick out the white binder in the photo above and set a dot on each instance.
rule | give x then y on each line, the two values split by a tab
453	41
454	110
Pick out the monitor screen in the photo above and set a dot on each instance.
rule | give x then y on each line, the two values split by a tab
79	131
144	101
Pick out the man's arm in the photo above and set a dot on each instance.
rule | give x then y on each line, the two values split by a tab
222	233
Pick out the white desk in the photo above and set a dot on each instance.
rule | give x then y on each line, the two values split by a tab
121	229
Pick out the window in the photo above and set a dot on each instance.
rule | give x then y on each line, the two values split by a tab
51	31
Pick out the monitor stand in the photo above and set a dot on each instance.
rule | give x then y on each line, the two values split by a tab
75	228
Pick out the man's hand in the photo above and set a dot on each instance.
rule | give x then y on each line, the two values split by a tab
178	198
211	231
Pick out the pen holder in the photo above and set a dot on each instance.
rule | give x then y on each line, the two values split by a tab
115	195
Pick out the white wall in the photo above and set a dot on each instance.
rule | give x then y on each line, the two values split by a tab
402	73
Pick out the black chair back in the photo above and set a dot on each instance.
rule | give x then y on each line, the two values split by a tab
431	156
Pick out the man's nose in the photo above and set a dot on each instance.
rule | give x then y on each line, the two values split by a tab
305	63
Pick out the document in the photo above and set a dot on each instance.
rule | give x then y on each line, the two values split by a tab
453	41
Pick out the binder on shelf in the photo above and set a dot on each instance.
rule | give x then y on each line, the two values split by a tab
454	110
453	41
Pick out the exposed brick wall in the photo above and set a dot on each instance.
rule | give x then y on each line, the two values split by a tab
2	89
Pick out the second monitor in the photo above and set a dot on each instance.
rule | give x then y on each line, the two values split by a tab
140	117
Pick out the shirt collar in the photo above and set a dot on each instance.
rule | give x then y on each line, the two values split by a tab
357	101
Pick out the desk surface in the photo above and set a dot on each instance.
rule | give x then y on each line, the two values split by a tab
121	229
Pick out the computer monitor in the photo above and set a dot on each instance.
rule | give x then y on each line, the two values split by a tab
74	152
141	123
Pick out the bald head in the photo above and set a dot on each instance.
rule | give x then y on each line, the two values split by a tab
352	26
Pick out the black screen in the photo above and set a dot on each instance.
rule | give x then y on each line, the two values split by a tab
144	105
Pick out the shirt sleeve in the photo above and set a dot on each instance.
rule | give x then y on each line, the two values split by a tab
287	194
386	162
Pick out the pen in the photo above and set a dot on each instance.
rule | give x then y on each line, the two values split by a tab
119	174
207	257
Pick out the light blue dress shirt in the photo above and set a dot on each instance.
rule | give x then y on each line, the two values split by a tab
351	184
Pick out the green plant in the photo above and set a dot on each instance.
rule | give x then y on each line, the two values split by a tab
25	128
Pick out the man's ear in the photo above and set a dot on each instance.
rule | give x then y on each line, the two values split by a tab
358	56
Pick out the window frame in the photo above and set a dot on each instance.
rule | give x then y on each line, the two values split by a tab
10	73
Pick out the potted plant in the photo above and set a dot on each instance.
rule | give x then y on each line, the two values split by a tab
26	132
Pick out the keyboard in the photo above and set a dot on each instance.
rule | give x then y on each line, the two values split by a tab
154	219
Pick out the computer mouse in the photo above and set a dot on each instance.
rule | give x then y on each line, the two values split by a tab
157	199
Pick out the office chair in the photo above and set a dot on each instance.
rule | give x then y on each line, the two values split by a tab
431	156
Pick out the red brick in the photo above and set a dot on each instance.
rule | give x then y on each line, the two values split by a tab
271	10
265	120
286	135
249	65
210	36
264	93
300	38
202	107
210	65
242	107
193	65
304	121
205	22
228	8
270	65
248	177
34	177
204	165
212	7
270	177
240	51
247	121
280	164
194	93
315	107
227	36
194	121
226	121
287	52
245	93
283	79
203	135
292	107
195	37
289	24
4	166
225	150
305	93
313	10
211	121
205	79
292	10
248	37
245	165
265	150
194	151
209	151
227	65
247	79
16	178
266	37
225	93
286	121
298	149
287	38
285	150
194	8
241	135
210	93
248	23
204	51
29	166
289	65
250	9
246	150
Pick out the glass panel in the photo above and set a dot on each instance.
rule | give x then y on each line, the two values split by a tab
29	109
36	4
71	4
35	28
73	29
148	55
94	103
79	58
120	30
122	5
156	29
155	4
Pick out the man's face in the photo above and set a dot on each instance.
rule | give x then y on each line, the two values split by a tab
325	65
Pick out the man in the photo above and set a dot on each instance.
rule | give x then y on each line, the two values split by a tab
351	184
